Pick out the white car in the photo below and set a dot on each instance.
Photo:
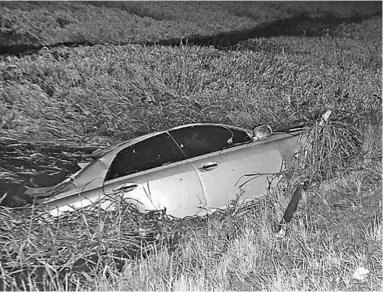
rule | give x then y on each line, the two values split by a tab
189	170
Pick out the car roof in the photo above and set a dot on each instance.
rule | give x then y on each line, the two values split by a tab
117	147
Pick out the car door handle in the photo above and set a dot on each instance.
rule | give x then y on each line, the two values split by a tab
208	166
128	187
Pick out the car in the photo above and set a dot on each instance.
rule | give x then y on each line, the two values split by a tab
187	170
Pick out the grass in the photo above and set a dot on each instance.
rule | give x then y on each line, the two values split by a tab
126	22
61	102
116	90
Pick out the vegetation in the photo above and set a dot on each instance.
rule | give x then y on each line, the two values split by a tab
134	22
60	102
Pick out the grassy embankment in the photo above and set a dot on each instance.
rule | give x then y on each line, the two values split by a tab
126	22
102	94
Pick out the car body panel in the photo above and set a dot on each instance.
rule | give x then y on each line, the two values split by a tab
181	187
227	180
288	145
80	190
174	187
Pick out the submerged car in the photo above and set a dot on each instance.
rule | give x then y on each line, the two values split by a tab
187	170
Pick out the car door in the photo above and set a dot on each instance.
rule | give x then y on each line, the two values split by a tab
223	157
155	174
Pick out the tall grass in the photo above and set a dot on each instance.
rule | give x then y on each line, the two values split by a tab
104	94
115	91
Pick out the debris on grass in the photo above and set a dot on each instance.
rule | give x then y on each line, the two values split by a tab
360	274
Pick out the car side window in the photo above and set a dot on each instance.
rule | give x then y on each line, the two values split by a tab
150	153
202	139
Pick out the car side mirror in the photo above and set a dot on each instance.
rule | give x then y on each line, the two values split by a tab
261	132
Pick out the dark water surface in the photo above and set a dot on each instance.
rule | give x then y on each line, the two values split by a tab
35	165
